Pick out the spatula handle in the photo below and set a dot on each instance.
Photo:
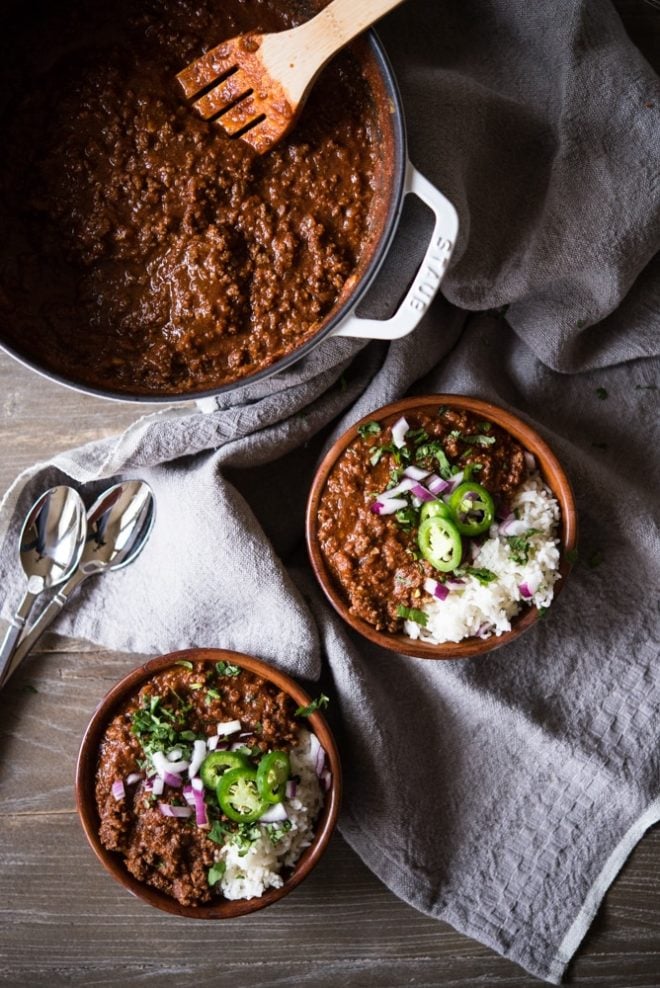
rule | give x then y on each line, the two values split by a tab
340	22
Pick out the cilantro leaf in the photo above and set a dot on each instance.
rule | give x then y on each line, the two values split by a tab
227	669
484	576
319	703
369	429
216	872
412	614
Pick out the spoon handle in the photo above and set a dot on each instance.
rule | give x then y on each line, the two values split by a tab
13	634
45	619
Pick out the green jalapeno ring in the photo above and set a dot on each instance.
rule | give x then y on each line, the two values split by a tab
432	508
217	763
472	508
440	543
272	774
239	797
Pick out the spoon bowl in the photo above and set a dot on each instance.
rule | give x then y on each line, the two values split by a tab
51	544
119	524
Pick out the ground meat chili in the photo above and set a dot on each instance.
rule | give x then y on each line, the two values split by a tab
375	559
183	703
143	250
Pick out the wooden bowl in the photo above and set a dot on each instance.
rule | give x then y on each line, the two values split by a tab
551	471
86	773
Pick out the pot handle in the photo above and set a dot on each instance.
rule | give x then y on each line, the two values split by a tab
428	278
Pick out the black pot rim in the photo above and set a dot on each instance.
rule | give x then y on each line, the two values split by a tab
366	280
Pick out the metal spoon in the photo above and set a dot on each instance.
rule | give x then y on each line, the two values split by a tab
119	524
51	544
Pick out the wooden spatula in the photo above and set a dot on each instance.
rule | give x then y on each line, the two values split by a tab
255	85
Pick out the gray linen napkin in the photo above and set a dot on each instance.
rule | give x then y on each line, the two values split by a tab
501	794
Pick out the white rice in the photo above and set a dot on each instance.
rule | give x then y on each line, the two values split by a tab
482	611
250	874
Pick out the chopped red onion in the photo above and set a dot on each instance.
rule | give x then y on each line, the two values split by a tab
212	742
314	745
457	584
170	779
454	481
529	587
174	755
511	526
401	488
421	492
163	766
388	507
198	756
189	795
275	814
530	461
197	785
181	812
416	473
236	746
291	789
201	816
133	778
229	727
118	790
436	589
326	779
157	786
484	630
320	761
399	430
437	485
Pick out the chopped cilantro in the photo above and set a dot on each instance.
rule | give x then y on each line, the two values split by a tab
216	872
520	546
276	831
258	727
196	686
477	440
442	409
417	436
212	694
154	726
484	576
595	559
406	517
227	669
369	429
435	450
189	736
184	662
218	832
485	426
319	703
602	393
244	837
412	614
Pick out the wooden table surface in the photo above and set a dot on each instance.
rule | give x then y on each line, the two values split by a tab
65	922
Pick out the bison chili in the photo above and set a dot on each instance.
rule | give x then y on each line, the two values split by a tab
375	558
143	250
160	724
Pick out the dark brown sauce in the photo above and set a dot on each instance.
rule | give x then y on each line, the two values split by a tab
144	251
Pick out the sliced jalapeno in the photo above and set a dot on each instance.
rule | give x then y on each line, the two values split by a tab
473	509
239	797
217	763
432	508
272	773
440	543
